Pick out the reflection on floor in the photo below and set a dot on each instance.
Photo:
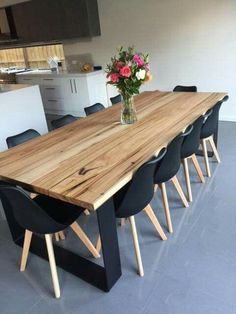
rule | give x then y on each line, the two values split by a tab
192	272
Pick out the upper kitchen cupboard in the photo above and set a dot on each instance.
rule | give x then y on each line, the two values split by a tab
40	21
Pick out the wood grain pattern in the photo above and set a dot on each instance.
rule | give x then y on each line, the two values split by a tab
87	161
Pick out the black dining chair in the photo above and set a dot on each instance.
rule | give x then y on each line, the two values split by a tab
42	215
207	132
189	150
116	99
94	108
181	88
60	122
135	197
21	138
168	169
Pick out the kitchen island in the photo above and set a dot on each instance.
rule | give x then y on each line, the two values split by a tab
67	92
21	108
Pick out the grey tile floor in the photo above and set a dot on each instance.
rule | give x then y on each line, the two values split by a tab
193	272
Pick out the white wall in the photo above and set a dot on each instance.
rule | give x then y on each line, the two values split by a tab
189	42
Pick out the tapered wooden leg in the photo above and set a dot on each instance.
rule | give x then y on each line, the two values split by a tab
86	212
83	237
61	235
187	179
198	168
122	221
155	187
149	211
175	181
136	246
98	244
52	263
57	236
166	207
205	154
214	149
25	252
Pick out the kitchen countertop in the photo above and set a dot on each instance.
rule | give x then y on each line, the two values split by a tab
5	88
49	73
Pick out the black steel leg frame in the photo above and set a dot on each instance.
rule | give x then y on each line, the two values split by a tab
101	277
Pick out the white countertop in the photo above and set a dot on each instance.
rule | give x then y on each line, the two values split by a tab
60	74
5	88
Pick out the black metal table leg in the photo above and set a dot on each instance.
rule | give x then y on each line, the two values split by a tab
101	277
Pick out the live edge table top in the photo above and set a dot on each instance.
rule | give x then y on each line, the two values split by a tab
87	161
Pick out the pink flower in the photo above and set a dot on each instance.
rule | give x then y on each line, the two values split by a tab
118	65
138	60
125	71
114	77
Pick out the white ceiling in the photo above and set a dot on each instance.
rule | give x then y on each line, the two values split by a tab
6	3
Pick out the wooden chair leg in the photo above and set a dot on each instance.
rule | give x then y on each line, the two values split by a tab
122	221
61	235
177	185
98	244
136	246
205	154
57	236
166	207
187	179
52	263
214	149
149	211
25	251
83	237
198	168
86	212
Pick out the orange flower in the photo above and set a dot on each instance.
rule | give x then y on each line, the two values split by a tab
148	77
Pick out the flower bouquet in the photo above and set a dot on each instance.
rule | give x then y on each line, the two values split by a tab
128	71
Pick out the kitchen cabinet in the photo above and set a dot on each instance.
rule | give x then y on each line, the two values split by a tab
68	93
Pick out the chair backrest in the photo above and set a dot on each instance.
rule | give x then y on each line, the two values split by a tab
191	142
94	108
21	137
170	164
116	99
60	122
210	125
181	88
138	193
25	211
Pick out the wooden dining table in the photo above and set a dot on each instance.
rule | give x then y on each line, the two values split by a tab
86	162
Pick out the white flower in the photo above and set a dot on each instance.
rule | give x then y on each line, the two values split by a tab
141	74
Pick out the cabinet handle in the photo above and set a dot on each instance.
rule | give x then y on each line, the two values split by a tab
27	79
48	79
71	87
50	88
52	100
75	86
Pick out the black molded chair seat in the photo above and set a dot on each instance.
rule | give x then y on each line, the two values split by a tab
191	142
94	108
21	137
208	130
189	149
60	122
43	215
181	88
116	99
134	197
171	162
168	169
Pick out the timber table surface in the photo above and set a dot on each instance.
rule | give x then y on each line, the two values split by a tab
87	161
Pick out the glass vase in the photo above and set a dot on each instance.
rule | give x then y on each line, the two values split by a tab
128	112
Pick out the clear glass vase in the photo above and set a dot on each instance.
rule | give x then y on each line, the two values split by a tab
128	112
